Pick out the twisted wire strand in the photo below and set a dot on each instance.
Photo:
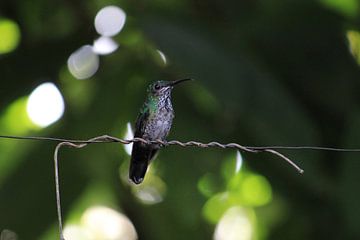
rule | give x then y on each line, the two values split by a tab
185	144
110	139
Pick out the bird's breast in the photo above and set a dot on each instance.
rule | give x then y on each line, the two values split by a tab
159	125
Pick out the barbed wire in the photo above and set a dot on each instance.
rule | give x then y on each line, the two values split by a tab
110	139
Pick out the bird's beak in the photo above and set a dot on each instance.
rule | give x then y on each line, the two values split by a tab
173	83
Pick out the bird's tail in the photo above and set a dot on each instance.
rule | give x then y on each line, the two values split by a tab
137	171
140	159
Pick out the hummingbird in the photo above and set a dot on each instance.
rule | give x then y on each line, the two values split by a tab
153	123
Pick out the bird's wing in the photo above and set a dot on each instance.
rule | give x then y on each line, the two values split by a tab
140	128
141	153
141	121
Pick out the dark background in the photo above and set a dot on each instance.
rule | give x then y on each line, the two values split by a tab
267	73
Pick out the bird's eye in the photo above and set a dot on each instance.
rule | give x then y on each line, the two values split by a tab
157	87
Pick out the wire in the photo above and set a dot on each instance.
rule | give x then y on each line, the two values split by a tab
109	139
315	148
184	144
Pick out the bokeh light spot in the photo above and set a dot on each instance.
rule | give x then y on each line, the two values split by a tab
106	223
9	35
162	56
235	224
239	161
104	45
151	191
8	235
83	63
75	232
109	21
128	135
45	105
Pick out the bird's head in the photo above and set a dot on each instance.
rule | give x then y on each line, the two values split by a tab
160	88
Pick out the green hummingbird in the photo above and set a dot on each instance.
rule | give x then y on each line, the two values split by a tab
153	123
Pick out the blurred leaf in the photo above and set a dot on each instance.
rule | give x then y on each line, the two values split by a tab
216	206
208	185
228	167
15	119
10	35
354	42
348	8
250	189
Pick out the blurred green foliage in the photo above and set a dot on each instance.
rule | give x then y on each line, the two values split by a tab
10	35
279	72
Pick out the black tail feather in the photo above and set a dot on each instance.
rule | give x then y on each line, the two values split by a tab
137	171
140	158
